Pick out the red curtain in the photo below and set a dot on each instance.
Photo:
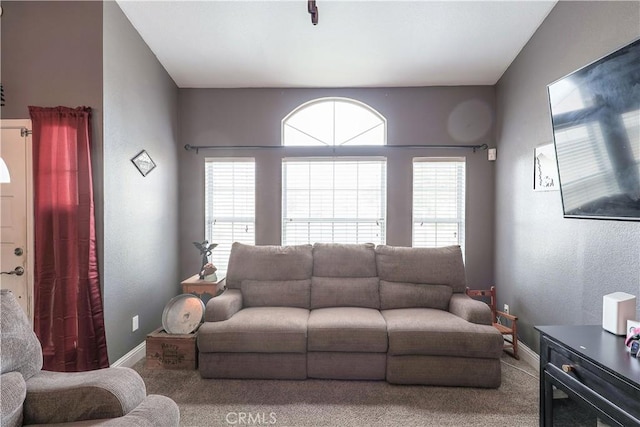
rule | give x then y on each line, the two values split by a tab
68	316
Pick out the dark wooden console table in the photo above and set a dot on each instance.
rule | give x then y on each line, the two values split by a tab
593	367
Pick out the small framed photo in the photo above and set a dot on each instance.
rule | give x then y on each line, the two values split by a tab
545	169
143	162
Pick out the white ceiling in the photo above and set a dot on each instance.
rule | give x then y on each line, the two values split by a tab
228	44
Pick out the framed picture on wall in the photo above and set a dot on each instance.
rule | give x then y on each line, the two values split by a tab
545	169
143	162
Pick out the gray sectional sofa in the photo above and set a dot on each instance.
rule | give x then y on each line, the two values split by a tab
339	311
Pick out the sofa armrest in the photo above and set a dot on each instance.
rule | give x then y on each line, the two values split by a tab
13	391
155	411
223	306
63	397
471	310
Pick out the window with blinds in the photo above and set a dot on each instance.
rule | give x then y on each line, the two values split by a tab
438	202
229	206
334	200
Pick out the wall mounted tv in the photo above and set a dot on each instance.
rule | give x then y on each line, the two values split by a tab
595	112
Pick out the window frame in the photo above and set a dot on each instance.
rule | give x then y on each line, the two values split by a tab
220	255
333	99
380	221
461	202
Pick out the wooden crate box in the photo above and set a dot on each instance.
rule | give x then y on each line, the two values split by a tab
171	351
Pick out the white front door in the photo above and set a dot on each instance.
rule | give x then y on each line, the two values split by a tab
16	214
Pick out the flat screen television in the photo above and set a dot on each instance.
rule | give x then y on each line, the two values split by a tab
595	113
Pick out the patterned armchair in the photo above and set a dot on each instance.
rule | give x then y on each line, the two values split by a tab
31	396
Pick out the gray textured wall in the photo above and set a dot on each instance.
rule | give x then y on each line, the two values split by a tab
436	115
141	213
51	58
549	269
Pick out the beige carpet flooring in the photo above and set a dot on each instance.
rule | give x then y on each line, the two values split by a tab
347	403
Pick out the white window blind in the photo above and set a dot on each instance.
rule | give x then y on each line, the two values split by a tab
229	206
335	200
438	202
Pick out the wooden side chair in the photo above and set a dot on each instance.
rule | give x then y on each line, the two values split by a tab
503	322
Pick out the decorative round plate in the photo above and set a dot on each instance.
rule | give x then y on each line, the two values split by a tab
183	314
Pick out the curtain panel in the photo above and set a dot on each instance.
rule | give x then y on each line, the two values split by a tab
68	312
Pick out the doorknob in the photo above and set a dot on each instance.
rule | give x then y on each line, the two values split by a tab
18	271
18	251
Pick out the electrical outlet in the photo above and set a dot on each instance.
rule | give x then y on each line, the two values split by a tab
134	323
506	308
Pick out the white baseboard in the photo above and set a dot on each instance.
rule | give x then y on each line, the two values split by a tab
529	356
133	357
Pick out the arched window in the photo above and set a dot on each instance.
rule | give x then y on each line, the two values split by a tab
334	122
334	199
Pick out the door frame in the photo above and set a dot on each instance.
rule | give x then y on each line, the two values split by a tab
25	124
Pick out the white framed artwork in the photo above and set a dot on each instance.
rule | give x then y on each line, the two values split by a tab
545	169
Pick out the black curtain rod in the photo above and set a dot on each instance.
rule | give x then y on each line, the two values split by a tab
197	148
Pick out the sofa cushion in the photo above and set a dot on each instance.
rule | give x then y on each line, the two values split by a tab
345	292
268	263
408	295
257	330
434	266
344	260
276	293
348	329
427	331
